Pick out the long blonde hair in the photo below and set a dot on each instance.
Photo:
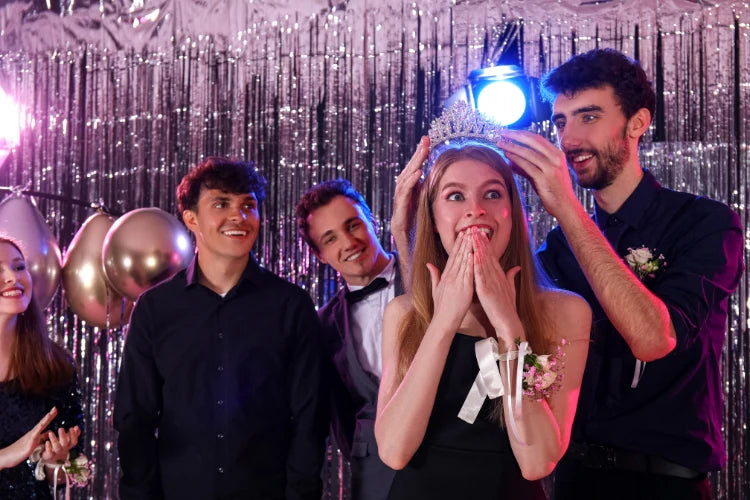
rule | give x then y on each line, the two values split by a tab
428	248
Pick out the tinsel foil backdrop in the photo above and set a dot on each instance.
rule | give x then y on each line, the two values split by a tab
122	98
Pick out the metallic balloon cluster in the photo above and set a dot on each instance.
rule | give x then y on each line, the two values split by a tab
107	264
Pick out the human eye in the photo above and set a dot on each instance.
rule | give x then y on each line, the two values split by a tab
493	194
250	205
220	204
589	117
559	124
354	225
329	240
455	196
20	266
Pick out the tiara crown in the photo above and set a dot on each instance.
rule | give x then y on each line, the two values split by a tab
458	124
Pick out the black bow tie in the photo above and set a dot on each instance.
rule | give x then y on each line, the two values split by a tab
352	297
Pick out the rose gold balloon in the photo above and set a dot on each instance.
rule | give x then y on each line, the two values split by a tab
21	221
87	291
144	247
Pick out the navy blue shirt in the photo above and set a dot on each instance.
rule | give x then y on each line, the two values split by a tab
221	397
676	409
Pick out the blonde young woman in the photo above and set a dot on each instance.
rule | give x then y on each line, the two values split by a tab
40	407
474	278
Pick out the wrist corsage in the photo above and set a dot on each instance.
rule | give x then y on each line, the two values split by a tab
536	378
542	373
76	468
643	263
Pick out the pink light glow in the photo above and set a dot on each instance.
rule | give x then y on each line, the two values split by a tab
10	125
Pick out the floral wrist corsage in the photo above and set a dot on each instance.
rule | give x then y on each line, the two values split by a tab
76	468
542	373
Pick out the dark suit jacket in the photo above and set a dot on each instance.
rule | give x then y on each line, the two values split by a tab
354	395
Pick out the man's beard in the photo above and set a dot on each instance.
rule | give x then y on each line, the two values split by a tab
610	162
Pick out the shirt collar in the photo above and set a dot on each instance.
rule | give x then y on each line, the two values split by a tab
388	273
252	272
633	211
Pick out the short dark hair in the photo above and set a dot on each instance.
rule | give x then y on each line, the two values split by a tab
597	68
321	195
231	176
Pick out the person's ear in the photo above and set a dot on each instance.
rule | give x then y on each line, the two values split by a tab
190	219
318	256
638	123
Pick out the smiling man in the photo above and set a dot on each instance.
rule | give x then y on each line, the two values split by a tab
220	391
337	224
657	267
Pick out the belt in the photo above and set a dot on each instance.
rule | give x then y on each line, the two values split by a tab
596	456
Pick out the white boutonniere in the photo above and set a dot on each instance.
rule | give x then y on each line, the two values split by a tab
643	263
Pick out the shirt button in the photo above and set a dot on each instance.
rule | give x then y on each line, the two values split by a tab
221	335
220	470
220	402
220	436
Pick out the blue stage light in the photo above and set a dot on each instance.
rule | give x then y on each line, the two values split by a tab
505	94
502	101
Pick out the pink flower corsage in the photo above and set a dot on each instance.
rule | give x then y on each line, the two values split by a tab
542	373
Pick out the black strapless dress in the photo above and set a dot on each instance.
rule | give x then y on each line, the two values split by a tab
457	460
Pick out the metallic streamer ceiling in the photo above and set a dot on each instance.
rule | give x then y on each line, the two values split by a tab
118	24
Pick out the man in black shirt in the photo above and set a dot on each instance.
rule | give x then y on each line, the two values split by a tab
657	267
219	394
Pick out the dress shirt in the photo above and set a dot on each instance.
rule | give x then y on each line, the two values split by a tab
221	397
675	411
367	324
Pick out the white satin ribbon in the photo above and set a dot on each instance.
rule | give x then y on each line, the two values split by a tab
489	381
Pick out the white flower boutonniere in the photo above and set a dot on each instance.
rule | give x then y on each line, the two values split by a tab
643	263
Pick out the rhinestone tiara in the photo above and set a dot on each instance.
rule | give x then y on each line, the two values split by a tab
461	124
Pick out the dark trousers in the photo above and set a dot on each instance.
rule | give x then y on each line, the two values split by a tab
574	481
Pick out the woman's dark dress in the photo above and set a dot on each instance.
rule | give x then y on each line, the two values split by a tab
457	460
18	414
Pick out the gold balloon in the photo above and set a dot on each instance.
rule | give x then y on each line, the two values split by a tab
145	246
87	291
21	221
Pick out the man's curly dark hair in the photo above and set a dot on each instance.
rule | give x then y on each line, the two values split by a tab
597	68
230	176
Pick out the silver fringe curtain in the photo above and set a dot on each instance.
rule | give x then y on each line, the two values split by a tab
122	98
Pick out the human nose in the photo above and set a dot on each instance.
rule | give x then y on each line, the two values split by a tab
569	138
238	213
349	241
8	275
475	209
